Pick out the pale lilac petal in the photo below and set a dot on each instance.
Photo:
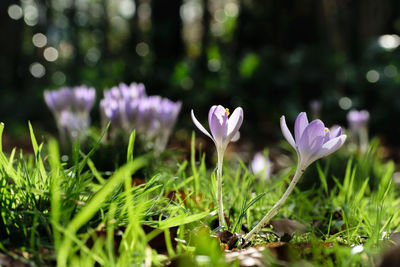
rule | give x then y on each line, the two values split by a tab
212	109
308	154
335	132
199	126
286	133
331	146
299	126
219	124
234	123
310	140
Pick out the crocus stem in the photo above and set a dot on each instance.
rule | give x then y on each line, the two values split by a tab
275	209
363	134
220	204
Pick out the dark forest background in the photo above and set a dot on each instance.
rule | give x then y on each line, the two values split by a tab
270	57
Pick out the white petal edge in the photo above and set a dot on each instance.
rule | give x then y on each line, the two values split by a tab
199	126
286	133
234	123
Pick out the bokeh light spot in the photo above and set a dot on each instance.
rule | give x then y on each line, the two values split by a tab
389	41
390	71
37	70
58	78
15	12
31	15
50	54
372	76
39	40
142	49
127	8
345	103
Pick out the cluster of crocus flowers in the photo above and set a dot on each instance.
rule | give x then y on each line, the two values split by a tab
358	124
128	107
224	129
311	141
71	108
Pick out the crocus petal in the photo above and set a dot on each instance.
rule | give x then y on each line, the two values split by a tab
286	133
331	146
236	137
337	131
234	123
199	126
310	140
219	124
299	126
212	109
309	155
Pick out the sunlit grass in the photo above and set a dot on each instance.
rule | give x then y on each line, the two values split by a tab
73	214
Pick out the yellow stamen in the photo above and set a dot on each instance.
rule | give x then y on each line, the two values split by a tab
227	111
326	129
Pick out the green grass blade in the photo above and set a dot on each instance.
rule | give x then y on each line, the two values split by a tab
95	204
131	144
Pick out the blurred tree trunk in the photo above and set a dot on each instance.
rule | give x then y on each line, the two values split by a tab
11	70
74	67
201	69
104	28
132	72
167	40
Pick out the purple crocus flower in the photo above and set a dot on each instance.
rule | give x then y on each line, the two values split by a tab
132	91
312	140
128	107
58	100
358	122
168	112
83	98
223	130
357	119
71	109
111	111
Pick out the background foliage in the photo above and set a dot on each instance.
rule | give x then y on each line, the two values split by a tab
271	57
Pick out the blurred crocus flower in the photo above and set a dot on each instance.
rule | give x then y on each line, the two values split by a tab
357	119
58	100
261	166
358	123
311	141
128	108
71	108
224	129
316	107
84	98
